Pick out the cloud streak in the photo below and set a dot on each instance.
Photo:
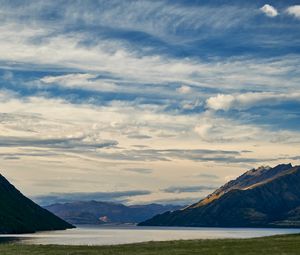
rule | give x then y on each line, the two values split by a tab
117	196
249	100
188	189
58	143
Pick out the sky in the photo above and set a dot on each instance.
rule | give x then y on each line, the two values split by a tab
145	101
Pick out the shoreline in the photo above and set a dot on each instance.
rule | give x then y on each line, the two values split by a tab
279	244
112	235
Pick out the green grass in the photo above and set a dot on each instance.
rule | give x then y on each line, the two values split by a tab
285	245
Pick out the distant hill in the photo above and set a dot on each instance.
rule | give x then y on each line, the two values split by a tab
93	212
263	197
18	214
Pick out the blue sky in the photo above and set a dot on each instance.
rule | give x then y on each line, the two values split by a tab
160	100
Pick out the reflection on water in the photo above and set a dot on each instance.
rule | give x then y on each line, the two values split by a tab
106	235
12	239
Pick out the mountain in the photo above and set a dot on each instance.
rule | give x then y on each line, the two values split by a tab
263	197
18	214
93	212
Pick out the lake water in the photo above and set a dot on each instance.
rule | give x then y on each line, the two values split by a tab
107	235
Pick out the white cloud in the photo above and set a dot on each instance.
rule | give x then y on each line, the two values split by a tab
269	10
215	129
294	11
79	80
69	79
220	102
184	89
83	126
248	100
17	45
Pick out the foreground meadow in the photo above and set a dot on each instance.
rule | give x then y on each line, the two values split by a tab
287	245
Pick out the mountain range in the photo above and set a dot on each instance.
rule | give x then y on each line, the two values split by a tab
95	212
262	197
18	214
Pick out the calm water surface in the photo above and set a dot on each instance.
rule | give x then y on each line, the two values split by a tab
107	235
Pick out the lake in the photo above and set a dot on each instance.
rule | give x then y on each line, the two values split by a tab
108	235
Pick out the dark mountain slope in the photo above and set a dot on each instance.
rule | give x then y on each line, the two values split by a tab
246	180
270	199
94	212
19	214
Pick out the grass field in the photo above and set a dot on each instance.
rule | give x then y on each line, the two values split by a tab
287	245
